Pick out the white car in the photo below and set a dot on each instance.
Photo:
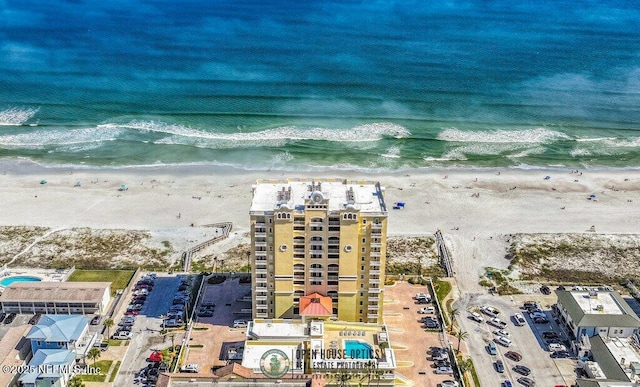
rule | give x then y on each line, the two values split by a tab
519	320
477	317
240	324
490	311
427	310
449	383
501	332
123	335
191	367
496	322
503	341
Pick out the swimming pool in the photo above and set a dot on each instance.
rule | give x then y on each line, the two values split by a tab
356	349
19	278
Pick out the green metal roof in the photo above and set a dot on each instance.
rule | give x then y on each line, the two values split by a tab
605	359
581	319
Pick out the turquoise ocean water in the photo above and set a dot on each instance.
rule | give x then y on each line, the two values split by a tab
379	85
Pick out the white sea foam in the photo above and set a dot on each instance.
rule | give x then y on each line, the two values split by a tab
491	149
269	137
16	116
539	135
57	137
578	152
392	153
527	152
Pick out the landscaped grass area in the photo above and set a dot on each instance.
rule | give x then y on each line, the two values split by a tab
114	373
118	278
103	366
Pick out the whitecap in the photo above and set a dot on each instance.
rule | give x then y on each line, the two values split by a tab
16	116
57	137
539	135
392	153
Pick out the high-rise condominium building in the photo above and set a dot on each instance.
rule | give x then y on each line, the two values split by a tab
318	249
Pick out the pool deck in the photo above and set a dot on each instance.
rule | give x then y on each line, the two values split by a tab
45	275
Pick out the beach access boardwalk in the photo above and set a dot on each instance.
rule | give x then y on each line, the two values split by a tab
444	256
188	255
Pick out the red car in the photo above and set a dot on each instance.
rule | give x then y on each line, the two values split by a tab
132	313
156	356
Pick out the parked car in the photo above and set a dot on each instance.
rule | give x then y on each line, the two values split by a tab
449	383
427	309
560	355
431	324
503	341
496	322
499	366
541	320
424	300
95	320
156	356
507	383
519	320
127	320
526	382
545	290
172	323
490	311
477	317
34	320
549	335
421	295
191	367
444	370
9	319
123	335
205	313
523	370
442	363
553	347
501	332
513	355
491	347
2	316
440	356
529	304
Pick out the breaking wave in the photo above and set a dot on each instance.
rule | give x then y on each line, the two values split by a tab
539	135
16	116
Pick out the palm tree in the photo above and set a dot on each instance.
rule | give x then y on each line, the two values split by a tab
94	353
455	312
461	336
75	382
108	323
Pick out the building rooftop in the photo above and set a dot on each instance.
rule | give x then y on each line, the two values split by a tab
259	329
597	307
53	358
87	292
364	196
58	327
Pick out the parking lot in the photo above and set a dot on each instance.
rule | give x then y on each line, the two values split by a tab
408	339
527	340
213	337
146	329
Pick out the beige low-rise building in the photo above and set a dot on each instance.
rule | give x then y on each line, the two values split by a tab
56	297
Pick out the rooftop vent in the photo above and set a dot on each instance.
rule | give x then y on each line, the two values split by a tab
351	197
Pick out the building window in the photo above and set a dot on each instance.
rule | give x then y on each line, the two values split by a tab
364	240
364	249
362	268
364	221
362	259
361	303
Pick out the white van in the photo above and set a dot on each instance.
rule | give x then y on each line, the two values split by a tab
503	341
554	347
240	324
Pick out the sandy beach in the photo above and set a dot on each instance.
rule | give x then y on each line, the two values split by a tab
476	210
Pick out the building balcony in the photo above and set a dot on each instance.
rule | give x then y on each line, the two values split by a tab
261	253
376	226
374	298
376	254
262	315
261	289
316	243
316	224
333	251
298	222
260	225
334	229
297	250
261	298
374	271
374	290
262	306
373	307
375	264
260	244
376	245
260	234
372	316
261	280
374	281
261	271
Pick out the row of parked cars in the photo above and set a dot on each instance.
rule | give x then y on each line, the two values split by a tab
175	316
441	360
431	321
